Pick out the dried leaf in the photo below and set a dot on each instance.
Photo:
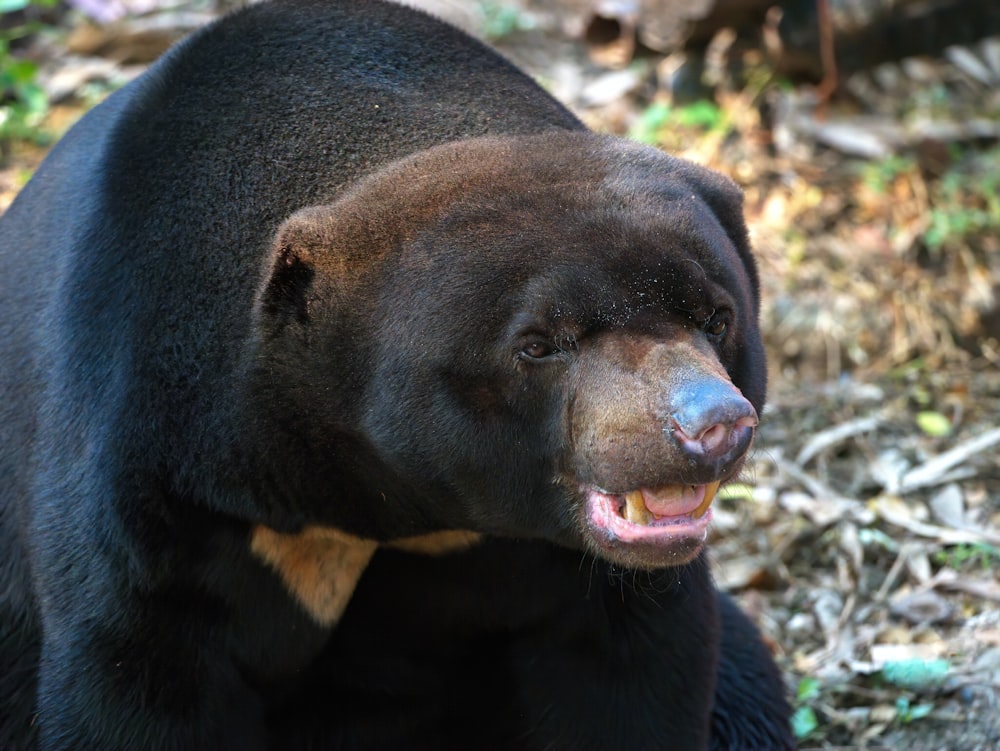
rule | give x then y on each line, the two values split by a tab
922	607
883	654
948	506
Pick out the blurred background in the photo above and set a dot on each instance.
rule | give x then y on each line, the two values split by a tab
865	537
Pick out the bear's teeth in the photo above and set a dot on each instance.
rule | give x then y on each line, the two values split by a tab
710	490
635	509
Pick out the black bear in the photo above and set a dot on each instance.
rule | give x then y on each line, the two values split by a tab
356	396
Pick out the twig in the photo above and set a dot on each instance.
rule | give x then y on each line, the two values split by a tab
982	588
849	507
827	52
905	551
944	535
932	471
832	436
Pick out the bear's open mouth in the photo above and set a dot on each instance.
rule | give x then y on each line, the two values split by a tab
665	513
654	506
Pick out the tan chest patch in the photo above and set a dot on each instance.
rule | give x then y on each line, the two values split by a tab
320	566
437	543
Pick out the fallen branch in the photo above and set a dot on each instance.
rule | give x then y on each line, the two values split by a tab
887	511
832	436
934	471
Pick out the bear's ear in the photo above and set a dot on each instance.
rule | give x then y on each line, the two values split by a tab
725	199
285	295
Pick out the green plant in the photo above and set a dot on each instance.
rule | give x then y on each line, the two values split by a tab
933	423
869	536
804	721
498	20
916	674
736	491
985	555
966	202
907	713
703	116
647	127
23	103
879	176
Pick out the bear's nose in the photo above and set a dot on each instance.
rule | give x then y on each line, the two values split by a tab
712	422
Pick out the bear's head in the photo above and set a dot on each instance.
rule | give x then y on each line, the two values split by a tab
552	336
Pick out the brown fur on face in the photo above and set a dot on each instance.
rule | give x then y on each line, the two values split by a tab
433	278
619	415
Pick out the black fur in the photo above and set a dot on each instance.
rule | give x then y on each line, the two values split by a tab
522	645
182	363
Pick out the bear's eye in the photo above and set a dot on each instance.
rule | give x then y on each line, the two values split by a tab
538	350
716	326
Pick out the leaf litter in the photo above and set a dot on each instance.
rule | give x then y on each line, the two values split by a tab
864	537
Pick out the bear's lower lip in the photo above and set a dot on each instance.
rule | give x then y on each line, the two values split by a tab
663	517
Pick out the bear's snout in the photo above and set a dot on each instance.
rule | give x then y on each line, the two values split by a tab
711	422
656	425
650	413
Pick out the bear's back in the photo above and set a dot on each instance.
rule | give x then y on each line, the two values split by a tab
130	263
155	213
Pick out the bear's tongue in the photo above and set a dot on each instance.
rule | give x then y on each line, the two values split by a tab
646	505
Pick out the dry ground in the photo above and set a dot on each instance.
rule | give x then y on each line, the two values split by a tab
866	538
